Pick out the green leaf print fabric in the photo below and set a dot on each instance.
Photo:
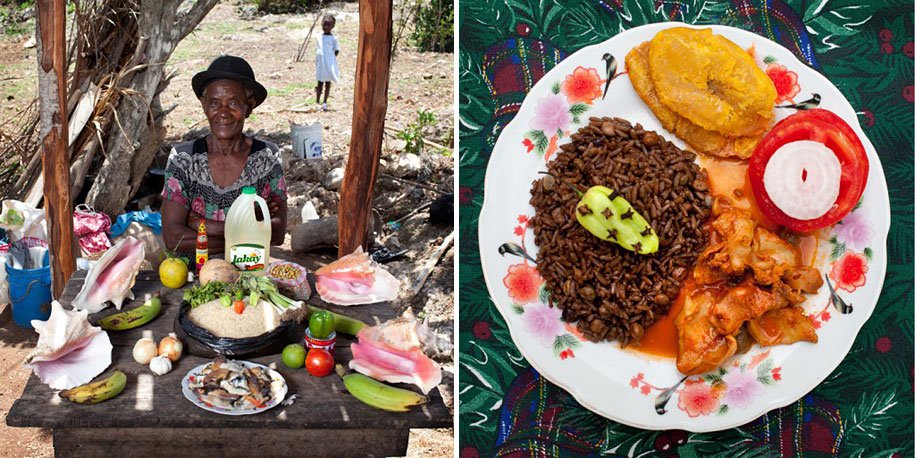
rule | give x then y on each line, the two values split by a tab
865	407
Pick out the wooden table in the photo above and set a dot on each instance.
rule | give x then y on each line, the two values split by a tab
152	418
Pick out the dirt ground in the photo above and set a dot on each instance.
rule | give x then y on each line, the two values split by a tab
419	81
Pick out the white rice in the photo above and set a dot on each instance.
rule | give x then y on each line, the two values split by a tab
224	322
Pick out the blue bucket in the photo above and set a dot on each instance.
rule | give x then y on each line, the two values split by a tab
30	293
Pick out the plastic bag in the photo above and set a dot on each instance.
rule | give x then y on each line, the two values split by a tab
90	226
147	218
22	220
291	279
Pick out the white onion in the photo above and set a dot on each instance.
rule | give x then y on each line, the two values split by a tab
144	350
802	179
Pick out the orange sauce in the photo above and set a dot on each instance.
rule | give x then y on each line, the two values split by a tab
729	178
660	339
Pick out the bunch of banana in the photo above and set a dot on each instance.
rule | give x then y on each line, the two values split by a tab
130	319
379	395
94	393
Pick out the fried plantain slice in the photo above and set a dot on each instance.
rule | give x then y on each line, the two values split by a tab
711	81
700	139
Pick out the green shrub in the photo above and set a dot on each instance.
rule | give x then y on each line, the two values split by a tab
434	28
413	134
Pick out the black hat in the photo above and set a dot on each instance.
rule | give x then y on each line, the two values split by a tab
230	68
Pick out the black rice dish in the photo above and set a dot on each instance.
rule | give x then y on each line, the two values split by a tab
613	293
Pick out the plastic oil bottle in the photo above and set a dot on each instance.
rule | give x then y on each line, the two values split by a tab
247	239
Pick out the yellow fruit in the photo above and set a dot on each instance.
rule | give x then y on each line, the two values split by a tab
173	273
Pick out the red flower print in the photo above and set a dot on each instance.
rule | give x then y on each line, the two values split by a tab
884	344
199	207
646	390
481	330
697	398
470	452
785	82
523	283
825	316
522	219
519	230
777	374
528	144
848	272
466	195
634	382
567	353
583	85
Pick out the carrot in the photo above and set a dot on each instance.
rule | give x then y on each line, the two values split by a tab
239	306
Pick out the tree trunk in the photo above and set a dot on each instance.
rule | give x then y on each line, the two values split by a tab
55	159
370	103
127	155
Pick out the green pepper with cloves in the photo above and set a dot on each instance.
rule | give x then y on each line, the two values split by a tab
610	217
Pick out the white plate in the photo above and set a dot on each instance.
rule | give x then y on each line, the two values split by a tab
278	397
624	385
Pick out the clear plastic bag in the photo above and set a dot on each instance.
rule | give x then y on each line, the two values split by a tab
291	279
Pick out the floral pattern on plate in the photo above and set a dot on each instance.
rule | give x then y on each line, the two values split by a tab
851	258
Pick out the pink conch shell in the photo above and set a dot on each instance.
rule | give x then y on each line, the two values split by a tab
355	279
391	352
70	351
112	277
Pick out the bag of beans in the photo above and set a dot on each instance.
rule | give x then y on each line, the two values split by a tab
291	279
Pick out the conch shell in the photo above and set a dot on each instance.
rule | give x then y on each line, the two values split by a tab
355	279
392	352
112	277
70	351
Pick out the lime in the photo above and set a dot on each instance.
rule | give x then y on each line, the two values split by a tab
294	356
173	273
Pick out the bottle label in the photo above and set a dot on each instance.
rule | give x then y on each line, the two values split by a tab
248	256
201	258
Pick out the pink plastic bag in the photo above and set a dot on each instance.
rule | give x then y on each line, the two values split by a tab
91	227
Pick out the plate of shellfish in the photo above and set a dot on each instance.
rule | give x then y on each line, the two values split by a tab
684	227
234	387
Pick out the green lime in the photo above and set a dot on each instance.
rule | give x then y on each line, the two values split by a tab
294	356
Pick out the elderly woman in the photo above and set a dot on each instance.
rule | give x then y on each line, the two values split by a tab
203	177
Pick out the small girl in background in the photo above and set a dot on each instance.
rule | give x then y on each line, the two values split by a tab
326	70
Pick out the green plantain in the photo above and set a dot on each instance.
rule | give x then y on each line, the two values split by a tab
379	395
130	319
93	393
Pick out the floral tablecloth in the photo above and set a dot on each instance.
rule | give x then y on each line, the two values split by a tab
865	408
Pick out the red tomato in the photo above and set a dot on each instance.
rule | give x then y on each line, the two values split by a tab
821	126
319	362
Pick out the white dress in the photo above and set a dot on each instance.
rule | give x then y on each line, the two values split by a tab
326	60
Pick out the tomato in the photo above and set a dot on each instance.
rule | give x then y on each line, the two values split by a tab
319	362
821	126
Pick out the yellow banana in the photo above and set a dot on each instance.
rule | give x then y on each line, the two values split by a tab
379	395
93	393
133	318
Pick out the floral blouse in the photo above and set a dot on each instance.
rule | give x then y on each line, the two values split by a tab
188	181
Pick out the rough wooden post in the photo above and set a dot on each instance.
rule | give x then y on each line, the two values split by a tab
370	104
55	159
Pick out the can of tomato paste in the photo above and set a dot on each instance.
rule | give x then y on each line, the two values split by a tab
314	342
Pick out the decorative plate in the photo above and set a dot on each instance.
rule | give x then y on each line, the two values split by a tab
634	388
279	390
